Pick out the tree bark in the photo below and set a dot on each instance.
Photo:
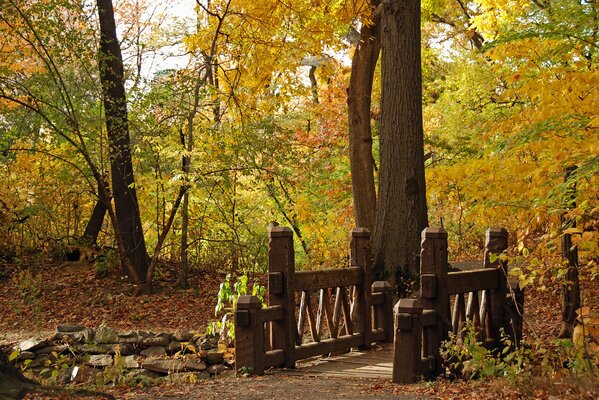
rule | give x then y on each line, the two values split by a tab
401	209
117	128
571	287
359	102
13	385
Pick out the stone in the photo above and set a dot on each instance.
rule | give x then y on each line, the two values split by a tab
174	346
130	362
130	337
69	328
214	357
26	355
182	336
90	348
153	351
32	344
206	344
163	365
85	335
125	349
83	374
105	334
60	348
100	360
216	369
162	339
194	365
137	373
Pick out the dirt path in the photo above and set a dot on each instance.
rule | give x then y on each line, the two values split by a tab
281	387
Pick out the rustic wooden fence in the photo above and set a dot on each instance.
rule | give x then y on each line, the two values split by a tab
422	324
351	311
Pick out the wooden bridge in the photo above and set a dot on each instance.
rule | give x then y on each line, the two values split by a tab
354	313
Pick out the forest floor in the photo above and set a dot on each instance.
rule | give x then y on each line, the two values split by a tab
32	304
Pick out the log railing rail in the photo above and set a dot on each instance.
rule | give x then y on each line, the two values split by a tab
481	297
312	313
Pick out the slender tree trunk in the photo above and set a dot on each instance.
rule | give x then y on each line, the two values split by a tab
359	102
117	127
401	209
571	287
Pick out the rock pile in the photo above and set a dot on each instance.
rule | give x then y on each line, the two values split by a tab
81	354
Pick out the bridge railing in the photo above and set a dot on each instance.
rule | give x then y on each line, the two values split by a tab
312	313
480	297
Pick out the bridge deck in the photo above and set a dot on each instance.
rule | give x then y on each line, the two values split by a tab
375	363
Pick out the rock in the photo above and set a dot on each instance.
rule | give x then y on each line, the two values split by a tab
69	328
194	365
100	360
125	349
182	336
130	362
214	357
163	365
136	373
162	339
85	335
90	348
61	348
217	369
130	337
174	346
32	344
206	344
83	374
154	351
187	377
105	334
26	355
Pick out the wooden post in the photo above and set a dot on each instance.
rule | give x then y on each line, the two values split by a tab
383	313
249	335
360	257
571	287
496	243
281	268
407	347
433	288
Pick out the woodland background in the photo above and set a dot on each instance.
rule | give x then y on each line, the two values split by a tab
248	128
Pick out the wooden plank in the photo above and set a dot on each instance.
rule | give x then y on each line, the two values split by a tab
273	313
327	312
336	313
328	346
349	330
320	312
377	298
470	281
314	280
274	358
311	319
301	320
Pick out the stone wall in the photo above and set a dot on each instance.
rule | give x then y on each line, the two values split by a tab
81	354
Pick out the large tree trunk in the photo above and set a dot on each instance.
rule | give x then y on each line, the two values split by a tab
359	101
13	385
401	209
117	127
